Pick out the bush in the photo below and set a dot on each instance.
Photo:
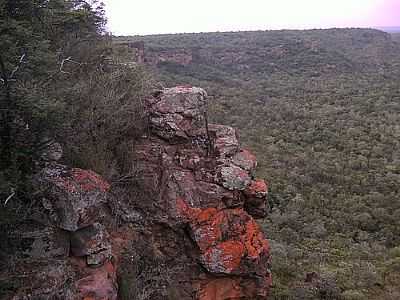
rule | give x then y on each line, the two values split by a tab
106	118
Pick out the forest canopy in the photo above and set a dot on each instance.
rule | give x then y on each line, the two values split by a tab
320	109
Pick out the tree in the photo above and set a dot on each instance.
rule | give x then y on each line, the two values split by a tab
40	45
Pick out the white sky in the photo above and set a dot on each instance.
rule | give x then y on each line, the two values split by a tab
130	17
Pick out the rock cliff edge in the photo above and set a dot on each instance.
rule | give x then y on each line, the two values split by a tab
191	211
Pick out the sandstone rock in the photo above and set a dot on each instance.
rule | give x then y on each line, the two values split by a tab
255	198
74	197
232	288
230	241
93	242
245	160
233	177
224	140
99	284
178	113
202	180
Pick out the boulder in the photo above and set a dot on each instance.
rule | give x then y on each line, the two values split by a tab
233	177
178	112
98	284
245	160
224	140
93	242
256	198
230	241
73	197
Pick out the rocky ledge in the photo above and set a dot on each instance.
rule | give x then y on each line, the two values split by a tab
191	211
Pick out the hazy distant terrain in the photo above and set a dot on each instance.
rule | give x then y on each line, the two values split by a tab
394	29
396	37
321	110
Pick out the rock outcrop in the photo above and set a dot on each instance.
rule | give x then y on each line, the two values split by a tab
202	185
190	213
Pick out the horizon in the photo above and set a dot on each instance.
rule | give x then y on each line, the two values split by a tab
178	16
387	29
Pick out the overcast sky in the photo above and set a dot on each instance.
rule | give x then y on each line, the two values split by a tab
130	17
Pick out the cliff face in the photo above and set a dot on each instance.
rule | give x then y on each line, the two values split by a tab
154	57
312	52
193	216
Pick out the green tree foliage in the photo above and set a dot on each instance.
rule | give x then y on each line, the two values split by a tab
59	81
38	39
320	109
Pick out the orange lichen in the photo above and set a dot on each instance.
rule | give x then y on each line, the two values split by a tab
225	237
225	256
206	215
254	240
257	187
89	180
82	180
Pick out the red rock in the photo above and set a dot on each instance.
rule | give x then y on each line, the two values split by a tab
100	284
245	160
93	242
189	210
89	180
234	288
225	141
207	191
233	177
257	188
220	289
255	198
74	197
230	241
178	113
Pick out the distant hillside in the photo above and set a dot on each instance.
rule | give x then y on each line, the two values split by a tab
393	29
321	109
396	37
314	52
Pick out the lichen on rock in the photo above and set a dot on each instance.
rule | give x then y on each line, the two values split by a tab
195	213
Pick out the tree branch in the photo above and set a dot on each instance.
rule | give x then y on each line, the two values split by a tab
21	60
10	196
68	59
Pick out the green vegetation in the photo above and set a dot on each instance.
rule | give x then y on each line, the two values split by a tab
60	82
320	109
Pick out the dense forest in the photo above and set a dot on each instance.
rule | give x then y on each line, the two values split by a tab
321	111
